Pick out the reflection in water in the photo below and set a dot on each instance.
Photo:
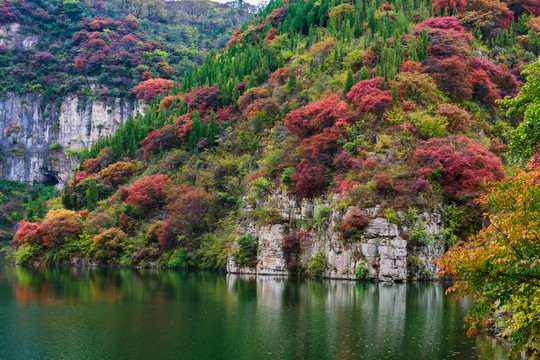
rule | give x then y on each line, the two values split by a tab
76	313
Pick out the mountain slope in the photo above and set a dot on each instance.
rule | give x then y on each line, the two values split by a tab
319	126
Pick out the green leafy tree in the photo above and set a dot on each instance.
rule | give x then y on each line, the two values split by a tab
499	267
526	137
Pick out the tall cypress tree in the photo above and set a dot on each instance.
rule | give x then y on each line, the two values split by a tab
349	83
196	127
395	94
364	74
292	80
66	197
91	195
212	130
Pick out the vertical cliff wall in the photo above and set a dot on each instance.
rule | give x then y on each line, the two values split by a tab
383	247
38	136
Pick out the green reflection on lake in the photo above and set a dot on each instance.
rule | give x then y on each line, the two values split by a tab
54	313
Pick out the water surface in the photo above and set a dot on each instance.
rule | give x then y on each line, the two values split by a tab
55	313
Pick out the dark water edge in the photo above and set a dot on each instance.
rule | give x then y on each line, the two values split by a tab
104	313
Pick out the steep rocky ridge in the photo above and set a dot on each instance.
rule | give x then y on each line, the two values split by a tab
39	136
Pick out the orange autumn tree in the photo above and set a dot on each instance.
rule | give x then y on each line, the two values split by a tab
500	266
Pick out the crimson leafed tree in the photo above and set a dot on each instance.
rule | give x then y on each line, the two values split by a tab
203	98
369	96
161	139
452	76
189	209
439	6
319	125
149	89
315	117
460	164
308	178
53	231
148	191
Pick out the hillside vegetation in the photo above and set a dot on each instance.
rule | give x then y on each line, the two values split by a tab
102	49
394	104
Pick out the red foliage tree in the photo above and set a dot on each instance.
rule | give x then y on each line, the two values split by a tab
441	22
368	96
383	181
316	117
7	15
308	178
90	166
164	234
57	226
452	76
280	76
148	191
189	209
160	139
505	82
458	163
413	67
294	238
277	15
439	6
203	98
117	173
182	127
319	125
26	233
499	11
354	220
149	89
457	118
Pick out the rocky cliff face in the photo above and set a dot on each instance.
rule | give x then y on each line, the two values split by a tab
383	247
10	36
39	136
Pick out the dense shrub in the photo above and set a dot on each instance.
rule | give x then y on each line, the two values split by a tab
294	238
308	178
118	172
246	254
369	96
458	163
149	89
109	244
354	220
318	264
162	139
148	191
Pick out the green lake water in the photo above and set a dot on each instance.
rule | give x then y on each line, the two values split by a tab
55	313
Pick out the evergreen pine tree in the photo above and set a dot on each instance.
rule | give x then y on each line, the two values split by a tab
30	214
66	197
196	127
39	208
364	74
91	195
292	80
349	83
212	130
395	94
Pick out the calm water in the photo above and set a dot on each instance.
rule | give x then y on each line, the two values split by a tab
145	314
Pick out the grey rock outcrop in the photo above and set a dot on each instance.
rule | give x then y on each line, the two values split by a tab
383	246
37	133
